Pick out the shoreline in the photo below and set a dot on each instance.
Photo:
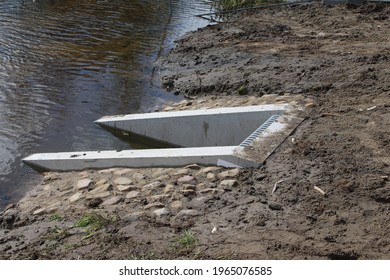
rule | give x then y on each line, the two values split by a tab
307	55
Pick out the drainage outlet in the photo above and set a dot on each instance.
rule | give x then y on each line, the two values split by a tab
230	137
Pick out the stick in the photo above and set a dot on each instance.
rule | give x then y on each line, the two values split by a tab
319	190
276	185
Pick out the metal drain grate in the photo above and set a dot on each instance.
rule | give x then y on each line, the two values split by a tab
249	140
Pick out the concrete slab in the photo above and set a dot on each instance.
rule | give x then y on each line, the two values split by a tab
195	128
137	158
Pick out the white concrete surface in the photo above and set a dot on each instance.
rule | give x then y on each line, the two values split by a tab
195	128
223	156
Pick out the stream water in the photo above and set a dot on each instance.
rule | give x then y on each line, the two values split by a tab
66	63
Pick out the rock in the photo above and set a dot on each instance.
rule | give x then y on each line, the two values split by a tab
187	193
51	177
181	172
201	186
176	205
112	200
188	213
134	216
84	174
209	190
161	212
149	188
211	177
185	179
163	178
153	205
139	177
101	188
126	188
275	206
75	197
132	194
260	177
98	195
101	182
84	184
9	206
94	202
122	171
209	169
10	215
193	167
108	170
123	181
47	188
232	173
39	211
169	188
189	187
157	198
228	184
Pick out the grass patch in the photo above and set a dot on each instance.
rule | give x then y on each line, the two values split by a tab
55	217
91	220
187	240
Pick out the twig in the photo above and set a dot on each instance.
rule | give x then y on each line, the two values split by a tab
319	190
276	185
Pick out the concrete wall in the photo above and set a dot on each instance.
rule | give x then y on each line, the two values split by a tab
197	128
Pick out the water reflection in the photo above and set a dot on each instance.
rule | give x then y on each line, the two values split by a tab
64	64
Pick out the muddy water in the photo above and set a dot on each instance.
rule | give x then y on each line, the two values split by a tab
64	64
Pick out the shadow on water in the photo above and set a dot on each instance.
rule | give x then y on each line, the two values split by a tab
64	64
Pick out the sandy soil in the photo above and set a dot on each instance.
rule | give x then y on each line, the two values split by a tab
339	57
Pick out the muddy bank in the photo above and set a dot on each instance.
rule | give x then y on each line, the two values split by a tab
339	58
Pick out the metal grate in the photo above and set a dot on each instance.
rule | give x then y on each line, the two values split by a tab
249	140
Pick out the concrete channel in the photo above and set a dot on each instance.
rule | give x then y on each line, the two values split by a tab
219	136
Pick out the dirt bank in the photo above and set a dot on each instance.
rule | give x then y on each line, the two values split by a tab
339	57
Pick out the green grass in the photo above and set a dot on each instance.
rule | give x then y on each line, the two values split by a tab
187	240
91	220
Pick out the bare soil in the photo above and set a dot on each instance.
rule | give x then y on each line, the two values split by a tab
337	56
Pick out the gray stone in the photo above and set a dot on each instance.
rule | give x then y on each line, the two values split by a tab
84	184
149	188
123	171
101	182
209	169
157	198
10	215
132	194
139	177
209	190
193	167
177	205
161	212
188	192
153	205
211	177
84	174
98	195
232	173
169	188
75	197
123	181
101	188
39	211
189	187
188	213
275	206
186	179
181	172
134	216
112	200
261	177
126	188
228	184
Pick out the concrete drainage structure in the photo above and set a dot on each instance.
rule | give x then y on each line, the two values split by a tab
230	137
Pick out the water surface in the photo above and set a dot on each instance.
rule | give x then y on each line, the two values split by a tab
66	63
